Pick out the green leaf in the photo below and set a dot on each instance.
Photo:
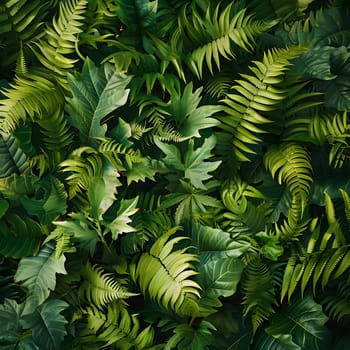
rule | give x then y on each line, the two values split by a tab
271	246
304	321
38	275
47	324
4	206
19	237
10	314
217	278
102	190
193	165
214	244
187	337
97	92
49	201
120	224
12	158
185	115
82	231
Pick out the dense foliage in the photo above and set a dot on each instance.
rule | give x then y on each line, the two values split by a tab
174	174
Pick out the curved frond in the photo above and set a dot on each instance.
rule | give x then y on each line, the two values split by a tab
30	96
254	96
164	275
118	328
100	288
243	216
290	163
61	38
258	291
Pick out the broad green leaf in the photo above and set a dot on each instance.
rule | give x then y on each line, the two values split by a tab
193	165
304	321
120	224
38	275
47	324
190	338
49	201
213	244
82	231
12	158
217	278
102	190
97	92
277	342
19	237
15	187
10	314
185	114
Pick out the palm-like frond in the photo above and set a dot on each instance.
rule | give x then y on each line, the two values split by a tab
164	275
246	109
100	288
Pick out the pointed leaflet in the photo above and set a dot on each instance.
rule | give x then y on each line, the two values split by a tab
97	92
38	275
193	165
47	324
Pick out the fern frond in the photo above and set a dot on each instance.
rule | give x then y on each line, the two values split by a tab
338	305
21	21
246	109
56	131
60	40
243	216
215	33
258	290
83	164
320	266
100	288
118	328
291	163
164	275
31	96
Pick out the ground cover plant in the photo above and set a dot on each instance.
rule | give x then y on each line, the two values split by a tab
174	174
